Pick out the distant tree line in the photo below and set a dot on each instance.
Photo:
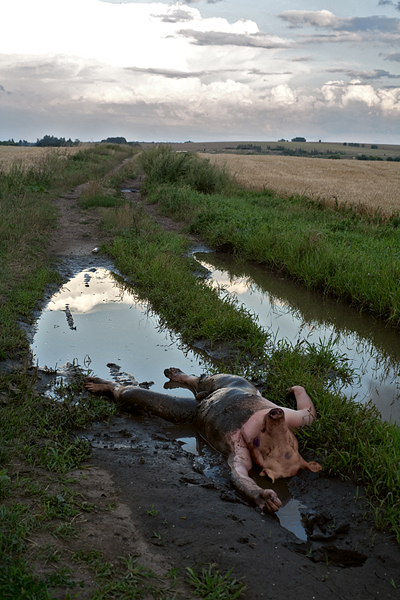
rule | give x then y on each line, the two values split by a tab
12	143
51	140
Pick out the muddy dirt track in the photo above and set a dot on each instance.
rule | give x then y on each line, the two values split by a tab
176	509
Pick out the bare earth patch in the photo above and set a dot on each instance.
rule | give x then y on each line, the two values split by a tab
373	185
78	232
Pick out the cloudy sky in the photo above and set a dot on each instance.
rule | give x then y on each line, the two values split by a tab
200	69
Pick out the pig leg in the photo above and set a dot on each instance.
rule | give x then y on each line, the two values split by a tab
178	378
134	397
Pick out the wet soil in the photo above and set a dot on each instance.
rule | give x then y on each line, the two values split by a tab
172	509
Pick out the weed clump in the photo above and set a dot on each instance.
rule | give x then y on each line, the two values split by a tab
163	165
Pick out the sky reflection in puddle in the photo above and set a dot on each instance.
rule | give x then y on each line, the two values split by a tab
105	323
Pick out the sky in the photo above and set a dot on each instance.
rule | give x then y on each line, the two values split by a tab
200	70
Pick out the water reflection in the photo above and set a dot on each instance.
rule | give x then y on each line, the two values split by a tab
294	313
95	316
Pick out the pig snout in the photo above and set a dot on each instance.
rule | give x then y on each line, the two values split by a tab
276	413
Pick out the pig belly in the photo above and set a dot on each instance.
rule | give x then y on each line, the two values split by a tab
224	412
212	383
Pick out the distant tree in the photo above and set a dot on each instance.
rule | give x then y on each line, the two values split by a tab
374	147
298	139
344	143
114	140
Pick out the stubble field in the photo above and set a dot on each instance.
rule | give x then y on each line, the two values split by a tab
28	155
370	185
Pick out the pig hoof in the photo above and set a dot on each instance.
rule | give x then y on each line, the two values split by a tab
174	374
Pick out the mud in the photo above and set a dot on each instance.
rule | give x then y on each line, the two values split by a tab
200	519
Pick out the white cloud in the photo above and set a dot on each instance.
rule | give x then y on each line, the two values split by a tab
320	18
167	70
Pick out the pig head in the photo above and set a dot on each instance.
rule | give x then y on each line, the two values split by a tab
276	450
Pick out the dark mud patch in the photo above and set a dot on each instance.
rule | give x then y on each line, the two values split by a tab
184	505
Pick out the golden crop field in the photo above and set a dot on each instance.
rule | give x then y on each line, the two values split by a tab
28	155
373	185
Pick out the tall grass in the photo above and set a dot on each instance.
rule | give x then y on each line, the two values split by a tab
164	166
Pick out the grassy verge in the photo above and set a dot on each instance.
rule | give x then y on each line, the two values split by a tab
354	257
157	265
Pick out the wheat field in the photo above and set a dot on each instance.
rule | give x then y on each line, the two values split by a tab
369	185
29	155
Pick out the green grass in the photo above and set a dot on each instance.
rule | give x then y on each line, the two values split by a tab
161	164
210	584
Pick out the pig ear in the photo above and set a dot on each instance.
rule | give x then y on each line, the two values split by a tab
313	466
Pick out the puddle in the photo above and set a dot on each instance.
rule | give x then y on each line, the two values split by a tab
95	321
189	444
291	312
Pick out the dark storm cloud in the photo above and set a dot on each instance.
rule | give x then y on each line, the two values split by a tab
389	3
168	73
395	56
374	74
222	38
374	23
326	20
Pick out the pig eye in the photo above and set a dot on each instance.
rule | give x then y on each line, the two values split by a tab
256	442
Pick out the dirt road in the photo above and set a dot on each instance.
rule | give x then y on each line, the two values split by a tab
175	509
